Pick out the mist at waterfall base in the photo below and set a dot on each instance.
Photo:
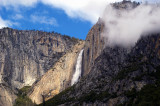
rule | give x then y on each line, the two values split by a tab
78	70
126	27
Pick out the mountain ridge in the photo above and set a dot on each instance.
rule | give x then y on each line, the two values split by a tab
37	67
112	79
115	75
26	55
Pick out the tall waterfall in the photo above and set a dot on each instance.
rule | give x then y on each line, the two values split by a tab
77	73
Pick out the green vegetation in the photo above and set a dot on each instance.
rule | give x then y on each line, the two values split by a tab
135	64
22	99
93	96
71	39
23	91
138	78
149	95
156	75
63	97
124	72
74	39
58	99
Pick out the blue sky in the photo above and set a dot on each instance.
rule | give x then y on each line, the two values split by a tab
46	18
70	17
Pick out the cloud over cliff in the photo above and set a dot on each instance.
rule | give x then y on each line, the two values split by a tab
125	27
89	10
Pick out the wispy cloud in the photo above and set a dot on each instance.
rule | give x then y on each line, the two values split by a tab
89	10
44	20
17	17
4	23
15	3
126	27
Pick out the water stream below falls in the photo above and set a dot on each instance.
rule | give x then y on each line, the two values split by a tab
78	70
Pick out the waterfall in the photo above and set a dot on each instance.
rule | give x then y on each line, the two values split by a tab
77	73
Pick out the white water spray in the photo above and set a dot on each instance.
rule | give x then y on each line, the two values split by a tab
77	73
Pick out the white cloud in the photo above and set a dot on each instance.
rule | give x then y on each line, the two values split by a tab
16	3
89	10
17	17
4	23
126	27
44	20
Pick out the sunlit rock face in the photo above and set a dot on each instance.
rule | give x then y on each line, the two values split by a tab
58	77
115	75
94	45
7	96
117	70
26	55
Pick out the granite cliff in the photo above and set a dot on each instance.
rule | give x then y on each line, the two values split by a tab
7	96
58	78
119	77
26	55
94	45
116	75
111	75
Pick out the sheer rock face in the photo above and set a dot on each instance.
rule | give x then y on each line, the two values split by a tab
94	45
116	71
95	42
58	77
27	55
7	96
111	72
